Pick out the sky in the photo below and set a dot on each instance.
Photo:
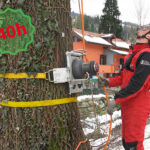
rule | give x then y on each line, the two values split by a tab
130	10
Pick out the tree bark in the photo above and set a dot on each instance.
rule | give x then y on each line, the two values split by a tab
42	128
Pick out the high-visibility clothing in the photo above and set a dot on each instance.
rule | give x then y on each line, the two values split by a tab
134	95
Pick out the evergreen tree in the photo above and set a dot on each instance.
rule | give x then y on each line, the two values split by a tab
77	23
129	32
90	23
87	20
92	28
109	21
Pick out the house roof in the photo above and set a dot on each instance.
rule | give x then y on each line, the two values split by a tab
119	43
110	35
86	32
119	52
101	39
103	35
91	37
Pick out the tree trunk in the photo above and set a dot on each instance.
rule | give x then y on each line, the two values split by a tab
42	128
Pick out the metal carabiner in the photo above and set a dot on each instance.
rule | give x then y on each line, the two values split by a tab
49	76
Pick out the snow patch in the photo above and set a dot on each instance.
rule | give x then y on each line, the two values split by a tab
94	39
121	44
103	121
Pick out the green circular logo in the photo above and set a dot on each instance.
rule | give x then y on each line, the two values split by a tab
16	31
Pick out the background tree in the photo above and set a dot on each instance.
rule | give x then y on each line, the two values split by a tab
42	128
86	22
142	11
76	21
129	32
109	21
90	23
92	29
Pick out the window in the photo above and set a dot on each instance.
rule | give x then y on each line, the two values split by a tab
102	59
75	39
121	63
115	59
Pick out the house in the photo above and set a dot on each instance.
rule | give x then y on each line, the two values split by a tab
116	53
107	50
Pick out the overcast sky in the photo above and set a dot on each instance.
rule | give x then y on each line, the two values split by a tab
130	9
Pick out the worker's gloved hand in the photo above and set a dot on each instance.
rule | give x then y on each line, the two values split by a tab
103	82
110	107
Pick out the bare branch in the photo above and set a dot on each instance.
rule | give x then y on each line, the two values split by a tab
141	11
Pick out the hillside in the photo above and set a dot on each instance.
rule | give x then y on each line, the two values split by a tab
92	24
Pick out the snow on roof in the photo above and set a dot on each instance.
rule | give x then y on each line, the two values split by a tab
97	40
119	52
87	32
121	44
93	39
107	35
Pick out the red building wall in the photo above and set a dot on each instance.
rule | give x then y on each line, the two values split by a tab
93	50
93	53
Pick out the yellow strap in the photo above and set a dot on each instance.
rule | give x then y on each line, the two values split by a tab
39	103
22	75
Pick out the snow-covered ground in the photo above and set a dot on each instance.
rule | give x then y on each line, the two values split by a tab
114	124
103	122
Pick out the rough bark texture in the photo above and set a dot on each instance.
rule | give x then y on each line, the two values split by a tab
43	128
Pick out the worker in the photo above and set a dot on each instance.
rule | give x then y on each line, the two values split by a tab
134	96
